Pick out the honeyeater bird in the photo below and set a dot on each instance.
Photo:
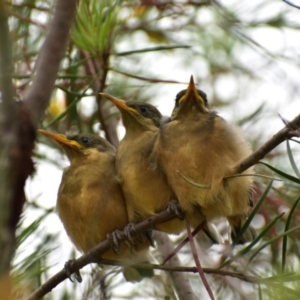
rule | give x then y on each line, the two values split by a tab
198	146
90	202
144	186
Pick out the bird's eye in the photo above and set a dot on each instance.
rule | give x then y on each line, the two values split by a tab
143	109
84	140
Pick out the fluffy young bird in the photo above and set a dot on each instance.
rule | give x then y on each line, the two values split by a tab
146	190
202	147
90	202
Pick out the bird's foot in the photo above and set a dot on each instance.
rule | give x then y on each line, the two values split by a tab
114	238
174	207
140	238
127	230
67	268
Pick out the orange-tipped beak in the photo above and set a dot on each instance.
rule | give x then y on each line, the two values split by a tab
191	93
62	140
119	103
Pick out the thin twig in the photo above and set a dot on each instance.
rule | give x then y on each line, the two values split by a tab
184	242
159	48
241	276
260	153
26	19
180	280
94	67
197	262
291	4
152	80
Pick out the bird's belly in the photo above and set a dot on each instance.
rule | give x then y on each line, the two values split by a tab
146	193
88	216
213	196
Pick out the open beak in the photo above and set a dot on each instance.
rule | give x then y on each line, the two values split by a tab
62	140
119	103
191	93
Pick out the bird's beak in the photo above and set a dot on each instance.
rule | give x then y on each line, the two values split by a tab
62	140
191	93
119	103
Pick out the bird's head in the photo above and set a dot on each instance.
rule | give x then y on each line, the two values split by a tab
83	144
190	99
136	115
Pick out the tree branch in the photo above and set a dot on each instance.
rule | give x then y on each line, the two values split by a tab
16	145
7	111
175	269
37	98
92	256
287	132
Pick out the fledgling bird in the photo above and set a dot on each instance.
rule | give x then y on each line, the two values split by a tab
90	202
202	147
146	190
144	186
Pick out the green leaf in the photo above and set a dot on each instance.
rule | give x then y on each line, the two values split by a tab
253	213
252	115
287	225
281	173
295	141
253	175
245	250
199	185
152	49
285	233
95	24
291	158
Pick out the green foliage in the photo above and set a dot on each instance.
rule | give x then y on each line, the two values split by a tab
94	26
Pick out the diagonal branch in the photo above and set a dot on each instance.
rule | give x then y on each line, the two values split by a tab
287	132
197	262
92	256
37	98
291	4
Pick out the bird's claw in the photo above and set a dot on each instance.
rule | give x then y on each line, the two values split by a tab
140	239
114	238
67	268
149	237
127	230
173	206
